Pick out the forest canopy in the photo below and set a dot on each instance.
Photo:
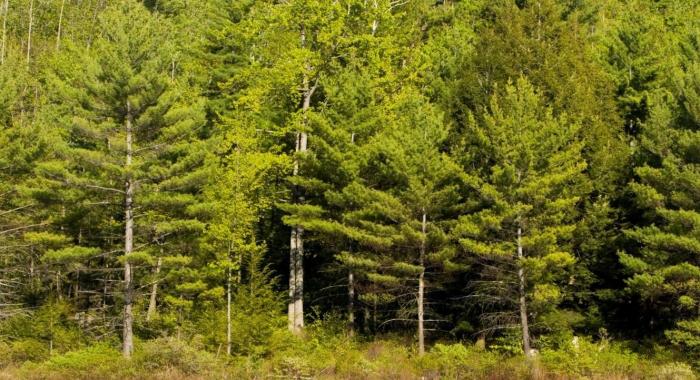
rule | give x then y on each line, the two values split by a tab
350	189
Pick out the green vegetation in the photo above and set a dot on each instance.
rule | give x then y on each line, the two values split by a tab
352	189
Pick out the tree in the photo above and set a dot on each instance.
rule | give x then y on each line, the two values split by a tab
531	180
549	44
400	208
661	263
129	133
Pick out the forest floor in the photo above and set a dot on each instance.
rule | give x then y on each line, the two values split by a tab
340	357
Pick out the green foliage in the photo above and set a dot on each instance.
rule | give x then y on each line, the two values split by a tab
489	155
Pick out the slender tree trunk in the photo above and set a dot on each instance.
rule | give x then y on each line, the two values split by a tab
375	22
60	24
351	303
128	335
296	254
77	284
299	285
58	285
228	311
5	9
29	34
351	282
421	289
523	301
292	276
154	290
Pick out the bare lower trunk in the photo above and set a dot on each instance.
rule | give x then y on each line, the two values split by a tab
375	22
60	24
292	279
29	33
154	291
58	285
421	290
523	301
5	9
351	303
296	281
128	335
299	283
228	312
296	250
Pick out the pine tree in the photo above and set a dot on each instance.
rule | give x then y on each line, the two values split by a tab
662	263
129	137
532	179
399	209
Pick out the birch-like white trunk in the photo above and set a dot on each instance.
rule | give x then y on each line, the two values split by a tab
421	290
375	22
60	25
29	33
523	301
5	9
128	335
296	245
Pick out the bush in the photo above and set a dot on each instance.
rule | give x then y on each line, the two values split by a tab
167	353
587	359
23	350
673	371
456	361
98	361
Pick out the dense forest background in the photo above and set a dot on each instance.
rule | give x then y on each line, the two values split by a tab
350	188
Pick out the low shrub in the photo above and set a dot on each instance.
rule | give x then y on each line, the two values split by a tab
166	353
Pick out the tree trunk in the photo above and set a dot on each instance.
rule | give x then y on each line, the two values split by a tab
351	283
523	301
228	311
299	284
29	34
351	303
292	277
421	289
296	251
60	24
128	335
154	290
375	22
5	9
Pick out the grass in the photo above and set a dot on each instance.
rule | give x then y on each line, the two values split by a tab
331	355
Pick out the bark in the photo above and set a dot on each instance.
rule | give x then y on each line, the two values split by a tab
351	303
375	22
29	34
4	30
421	290
154	291
299	285
351	283
128	335
523	301
58	285
296	250
228	312
292	277
60	24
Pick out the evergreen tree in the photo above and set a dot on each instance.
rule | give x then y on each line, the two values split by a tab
662	263
400	208
127	139
532	180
